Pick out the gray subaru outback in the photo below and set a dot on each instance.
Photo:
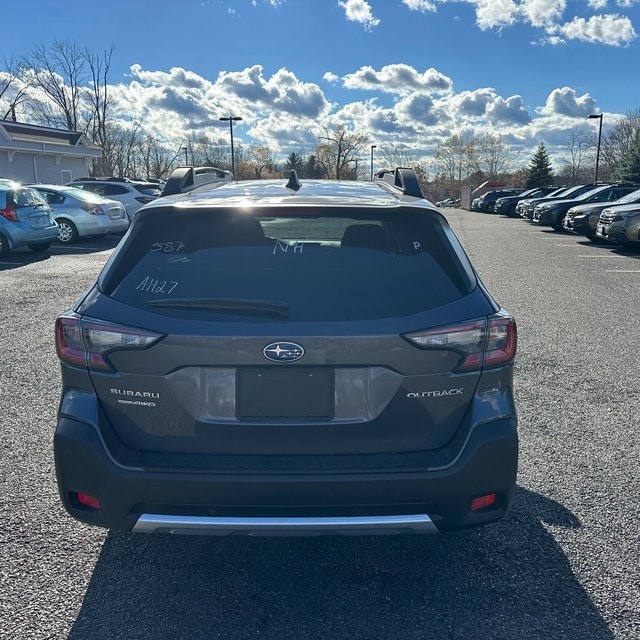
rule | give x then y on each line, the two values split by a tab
273	358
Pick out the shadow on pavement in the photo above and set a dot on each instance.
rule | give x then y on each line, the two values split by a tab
508	580
24	256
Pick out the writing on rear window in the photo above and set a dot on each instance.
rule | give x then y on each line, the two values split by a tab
155	285
285	247
167	247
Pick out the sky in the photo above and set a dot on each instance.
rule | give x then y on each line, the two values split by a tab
405	73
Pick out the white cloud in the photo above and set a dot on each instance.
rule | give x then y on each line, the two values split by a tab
330	77
549	16
420	5
612	30
495	13
398	79
565	102
359	11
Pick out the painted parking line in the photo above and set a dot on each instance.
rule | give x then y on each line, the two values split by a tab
622	270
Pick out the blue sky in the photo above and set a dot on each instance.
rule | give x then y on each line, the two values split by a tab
406	73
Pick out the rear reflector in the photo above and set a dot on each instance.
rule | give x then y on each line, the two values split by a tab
482	502
482	343
86	500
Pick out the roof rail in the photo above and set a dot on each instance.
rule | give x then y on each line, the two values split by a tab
403	179
184	179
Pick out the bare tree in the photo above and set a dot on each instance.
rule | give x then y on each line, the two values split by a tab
263	160
452	158
59	74
578	169
97	95
12	89
618	141
337	149
491	155
118	151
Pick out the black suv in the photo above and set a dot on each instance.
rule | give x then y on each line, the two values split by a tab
552	213
487	202
262	357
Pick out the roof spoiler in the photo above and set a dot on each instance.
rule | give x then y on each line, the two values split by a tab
184	179
403	179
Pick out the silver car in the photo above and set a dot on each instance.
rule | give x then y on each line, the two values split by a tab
81	214
620	225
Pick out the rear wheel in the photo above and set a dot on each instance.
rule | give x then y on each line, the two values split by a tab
67	232
4	246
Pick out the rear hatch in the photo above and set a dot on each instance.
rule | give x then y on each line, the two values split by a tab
30	208
279	331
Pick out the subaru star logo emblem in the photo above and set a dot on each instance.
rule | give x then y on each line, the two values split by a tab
283	351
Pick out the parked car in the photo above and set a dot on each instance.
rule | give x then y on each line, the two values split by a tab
551	214
526	207
583	219
448	202
215	379
620	225
80	213
506	206
487	201
25	219
132	194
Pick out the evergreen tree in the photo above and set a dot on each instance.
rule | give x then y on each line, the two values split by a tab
539	172
629	169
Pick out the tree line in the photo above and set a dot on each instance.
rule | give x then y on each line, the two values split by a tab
66	86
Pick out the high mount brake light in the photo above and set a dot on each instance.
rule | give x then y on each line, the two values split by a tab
84	342
482	343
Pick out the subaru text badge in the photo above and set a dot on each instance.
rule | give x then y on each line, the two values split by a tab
283	351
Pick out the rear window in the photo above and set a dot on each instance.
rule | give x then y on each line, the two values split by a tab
149	189
310	267
26	197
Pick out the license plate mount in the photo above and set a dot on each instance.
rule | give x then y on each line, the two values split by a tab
287	392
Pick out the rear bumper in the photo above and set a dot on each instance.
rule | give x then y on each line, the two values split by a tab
276	503
21	234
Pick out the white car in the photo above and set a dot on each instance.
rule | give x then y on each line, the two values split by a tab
443	204
132	194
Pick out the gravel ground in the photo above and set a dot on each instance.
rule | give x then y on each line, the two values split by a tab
562	565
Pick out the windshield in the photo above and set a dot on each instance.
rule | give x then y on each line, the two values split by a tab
630	198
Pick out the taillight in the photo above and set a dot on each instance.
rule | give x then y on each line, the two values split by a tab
145	199
93	209
481	343
84	342
9	213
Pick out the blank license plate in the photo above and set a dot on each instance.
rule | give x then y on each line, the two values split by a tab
285	392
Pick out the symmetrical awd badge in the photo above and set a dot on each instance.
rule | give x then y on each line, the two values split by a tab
283	351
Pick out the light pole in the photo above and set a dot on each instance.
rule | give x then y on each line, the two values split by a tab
373	146
186	157
599	117
231	120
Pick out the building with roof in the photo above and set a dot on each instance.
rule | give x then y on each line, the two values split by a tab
29	153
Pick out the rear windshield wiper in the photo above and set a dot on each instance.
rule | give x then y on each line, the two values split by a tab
224	304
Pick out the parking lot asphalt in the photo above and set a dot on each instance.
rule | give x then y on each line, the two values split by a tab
562	565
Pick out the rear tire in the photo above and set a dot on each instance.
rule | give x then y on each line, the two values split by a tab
39	247
67	232
4	246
